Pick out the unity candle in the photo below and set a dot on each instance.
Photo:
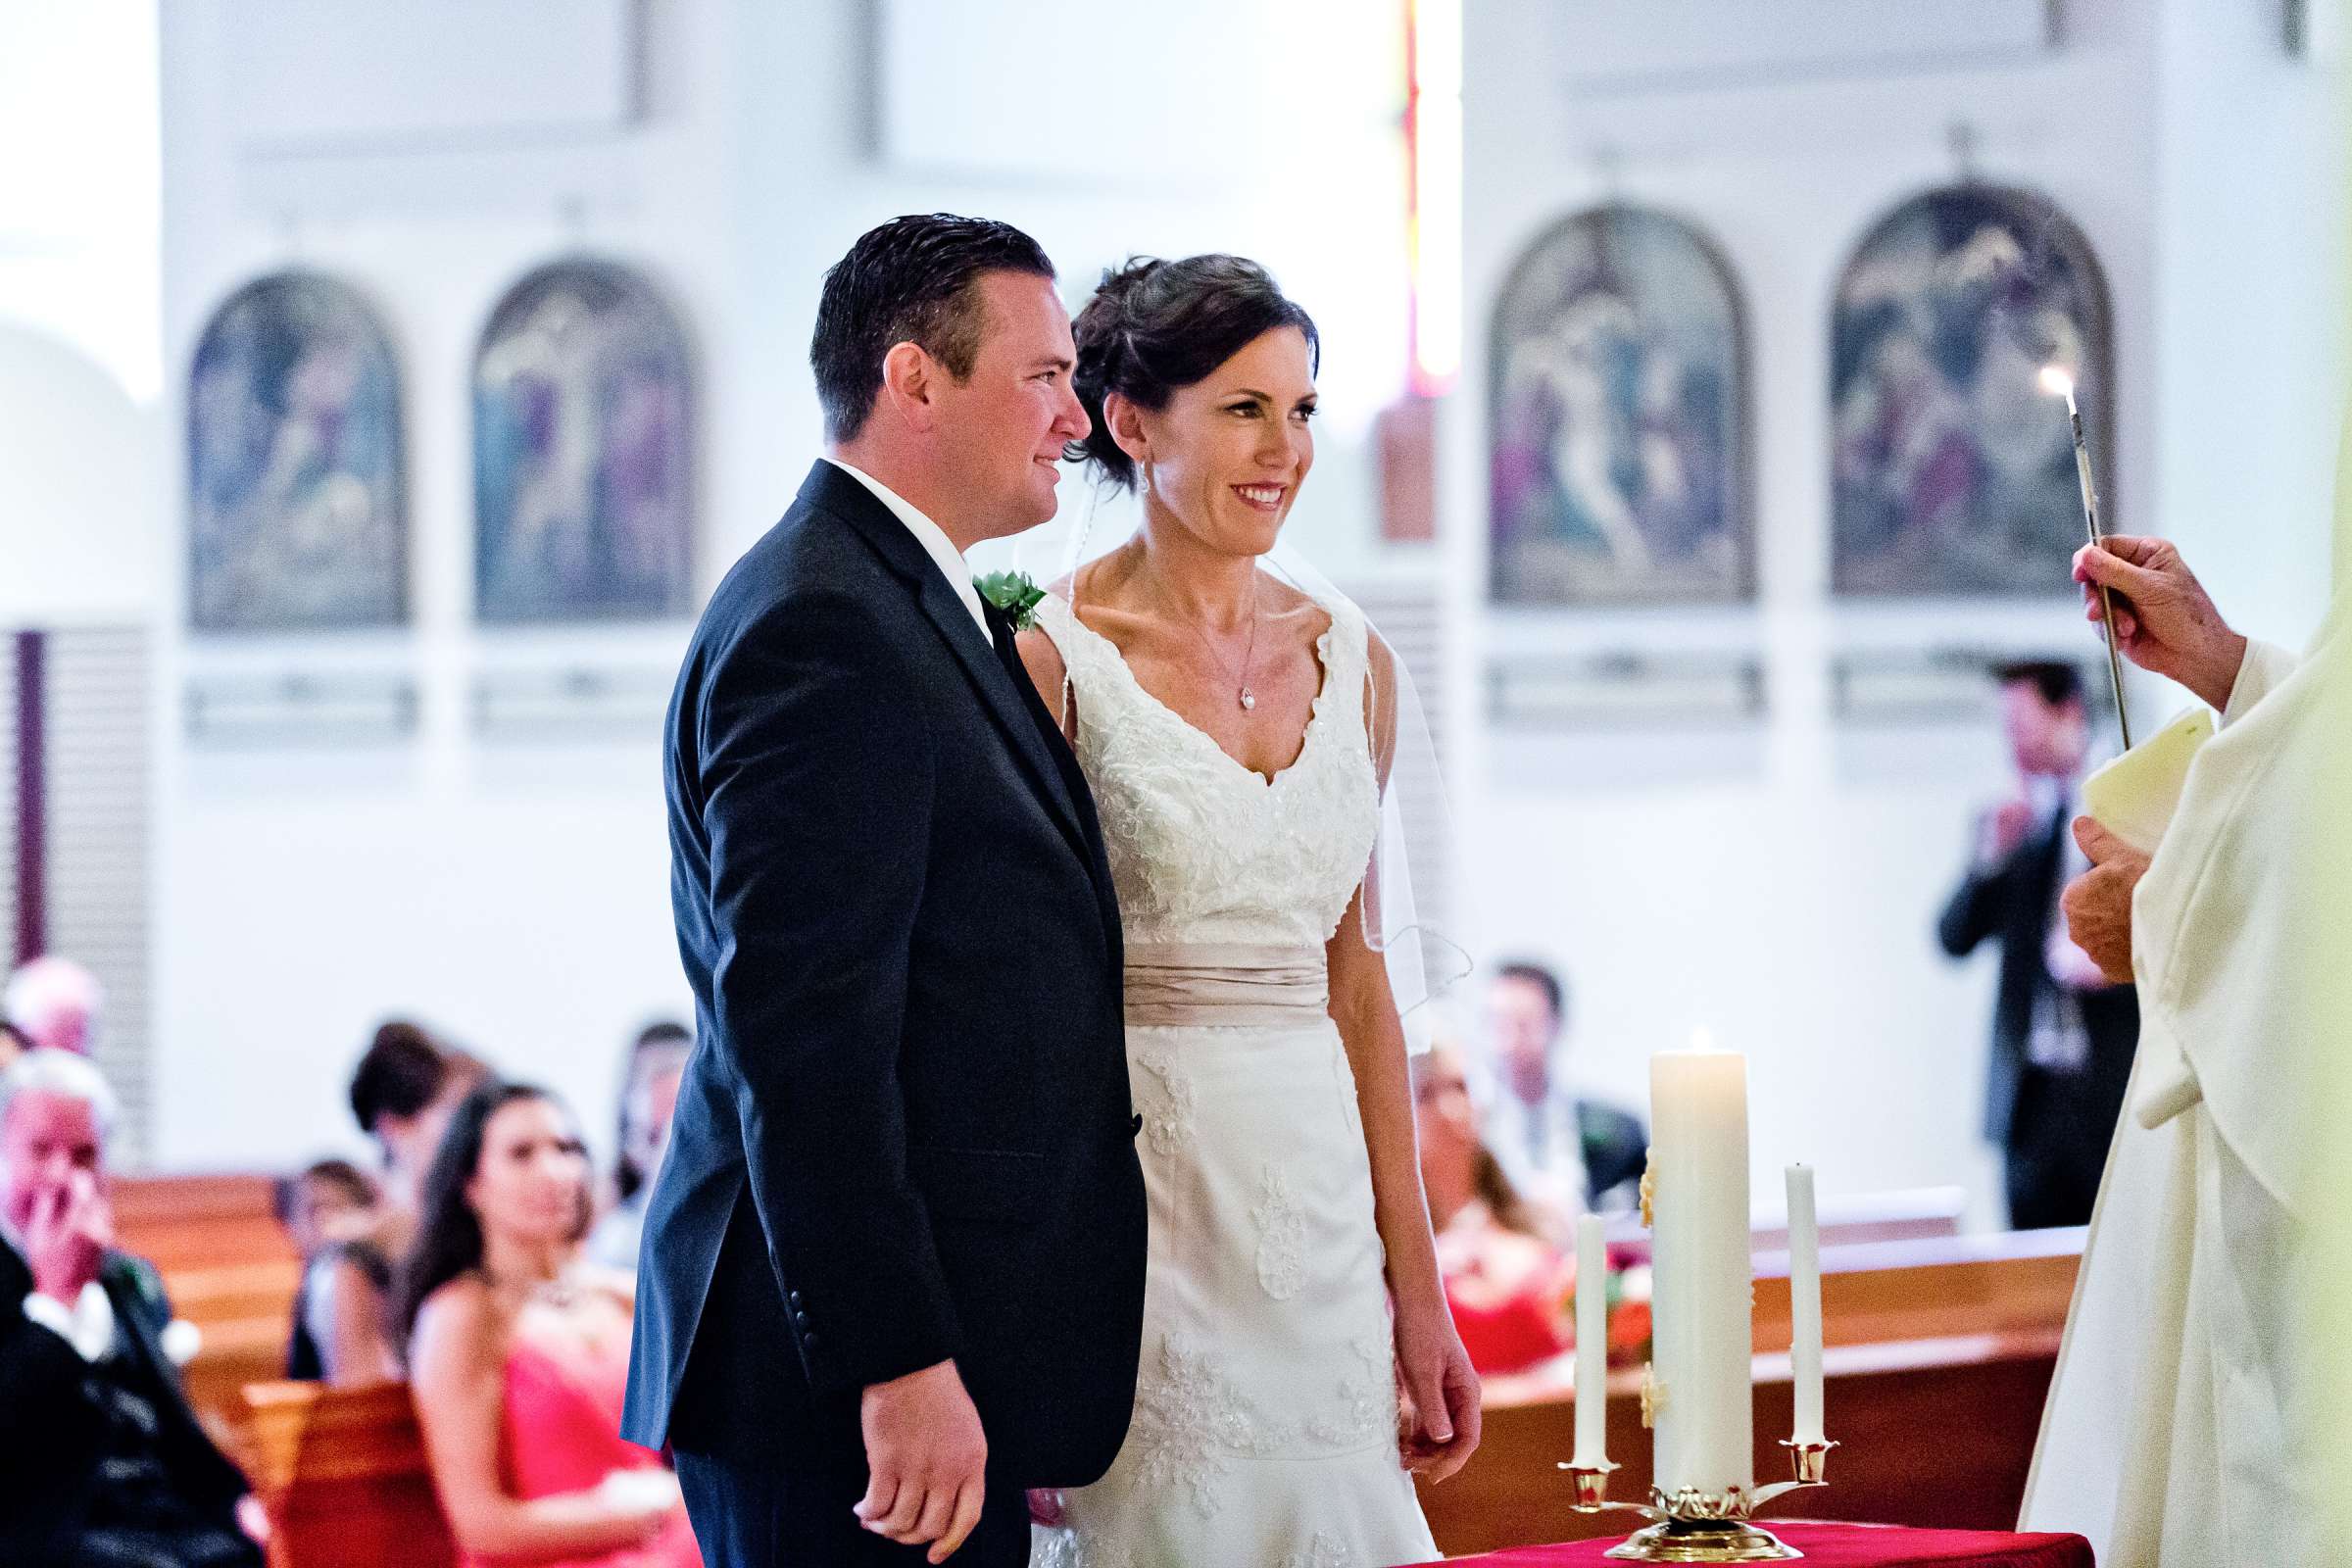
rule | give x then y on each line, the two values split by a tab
1592	1344
1804	1305
1701	1309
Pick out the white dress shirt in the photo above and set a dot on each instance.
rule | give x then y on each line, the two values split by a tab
933	540
88	1325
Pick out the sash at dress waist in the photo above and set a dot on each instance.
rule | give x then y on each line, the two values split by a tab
1226	984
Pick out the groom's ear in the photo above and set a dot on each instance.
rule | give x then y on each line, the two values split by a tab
909	382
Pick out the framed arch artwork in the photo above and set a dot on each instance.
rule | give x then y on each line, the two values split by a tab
583	451
296	508
1617	460
1952	471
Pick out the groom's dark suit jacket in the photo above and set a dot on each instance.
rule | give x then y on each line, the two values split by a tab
906	1132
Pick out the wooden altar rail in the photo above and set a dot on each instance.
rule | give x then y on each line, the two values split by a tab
1933	1433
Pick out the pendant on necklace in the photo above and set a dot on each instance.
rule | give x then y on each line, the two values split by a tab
1249	700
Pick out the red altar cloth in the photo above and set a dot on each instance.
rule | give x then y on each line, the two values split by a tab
1841	1545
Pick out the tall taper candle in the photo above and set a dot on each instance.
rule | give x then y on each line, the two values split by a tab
1592	1344
1700	1302
1804	1304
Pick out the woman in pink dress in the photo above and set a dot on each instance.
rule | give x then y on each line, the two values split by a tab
519	1353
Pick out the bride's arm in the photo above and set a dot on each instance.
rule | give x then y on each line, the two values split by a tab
1052	678
1437	1372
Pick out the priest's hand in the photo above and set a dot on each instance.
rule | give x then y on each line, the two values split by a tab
2164	621
2099	903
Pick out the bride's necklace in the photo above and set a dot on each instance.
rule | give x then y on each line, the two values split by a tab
1241	681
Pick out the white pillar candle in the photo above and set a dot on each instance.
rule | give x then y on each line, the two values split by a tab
1805	1303
1702	1304
1592	1344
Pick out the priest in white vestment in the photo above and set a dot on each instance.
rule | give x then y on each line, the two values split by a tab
2198	1418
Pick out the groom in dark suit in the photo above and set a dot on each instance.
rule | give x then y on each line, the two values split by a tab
892	1266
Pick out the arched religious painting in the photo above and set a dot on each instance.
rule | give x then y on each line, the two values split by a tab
1617	463
582	451
296	517
1953	470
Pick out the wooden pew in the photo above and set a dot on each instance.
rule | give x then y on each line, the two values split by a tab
229	1268
342	1474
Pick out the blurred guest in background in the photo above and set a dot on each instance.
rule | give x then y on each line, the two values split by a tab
1575	1153
2062	1036
649	1099
55	1003
102	1462
1505	1283
12	1044
519	1351
334	1212
403	1093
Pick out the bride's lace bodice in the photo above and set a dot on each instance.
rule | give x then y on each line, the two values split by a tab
1202	849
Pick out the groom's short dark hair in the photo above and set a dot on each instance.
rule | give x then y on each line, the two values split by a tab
912	280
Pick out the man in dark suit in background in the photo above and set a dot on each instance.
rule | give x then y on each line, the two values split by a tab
1571	1154
892	1266
102	1462
2062	1036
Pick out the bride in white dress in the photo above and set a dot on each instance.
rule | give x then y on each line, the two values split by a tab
1235	733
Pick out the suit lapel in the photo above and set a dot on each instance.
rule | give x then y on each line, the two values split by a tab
831	490
1073	777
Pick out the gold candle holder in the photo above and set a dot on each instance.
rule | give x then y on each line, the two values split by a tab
1693	1526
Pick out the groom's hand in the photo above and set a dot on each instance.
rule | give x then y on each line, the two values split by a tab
928	1460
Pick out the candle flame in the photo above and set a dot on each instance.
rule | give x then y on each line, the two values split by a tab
2057	383
1703	1039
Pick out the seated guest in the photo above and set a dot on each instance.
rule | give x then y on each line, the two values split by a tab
402	1095
518	1352
1577	1153
649	1100
12	1044
55	1003
1506	1284
334	1212
102	1462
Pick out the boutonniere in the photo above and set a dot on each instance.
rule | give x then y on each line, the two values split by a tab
1014	593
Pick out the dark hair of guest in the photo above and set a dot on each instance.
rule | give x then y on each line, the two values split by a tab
400	1073
1495	1190
913	279
1154	328
357	1185
1542	979
448	1233
2054	680
662	1034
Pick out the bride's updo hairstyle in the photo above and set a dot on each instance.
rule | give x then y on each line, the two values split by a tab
1154	328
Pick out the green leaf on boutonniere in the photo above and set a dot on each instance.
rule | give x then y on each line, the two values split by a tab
1014	593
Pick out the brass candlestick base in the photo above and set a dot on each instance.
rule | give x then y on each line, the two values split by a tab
1702	1540
1693	1525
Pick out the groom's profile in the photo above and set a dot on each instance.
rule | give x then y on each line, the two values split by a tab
892	1266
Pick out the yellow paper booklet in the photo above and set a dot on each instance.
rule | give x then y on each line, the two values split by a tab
2133	796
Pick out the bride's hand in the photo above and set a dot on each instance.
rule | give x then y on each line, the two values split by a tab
1440	1389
